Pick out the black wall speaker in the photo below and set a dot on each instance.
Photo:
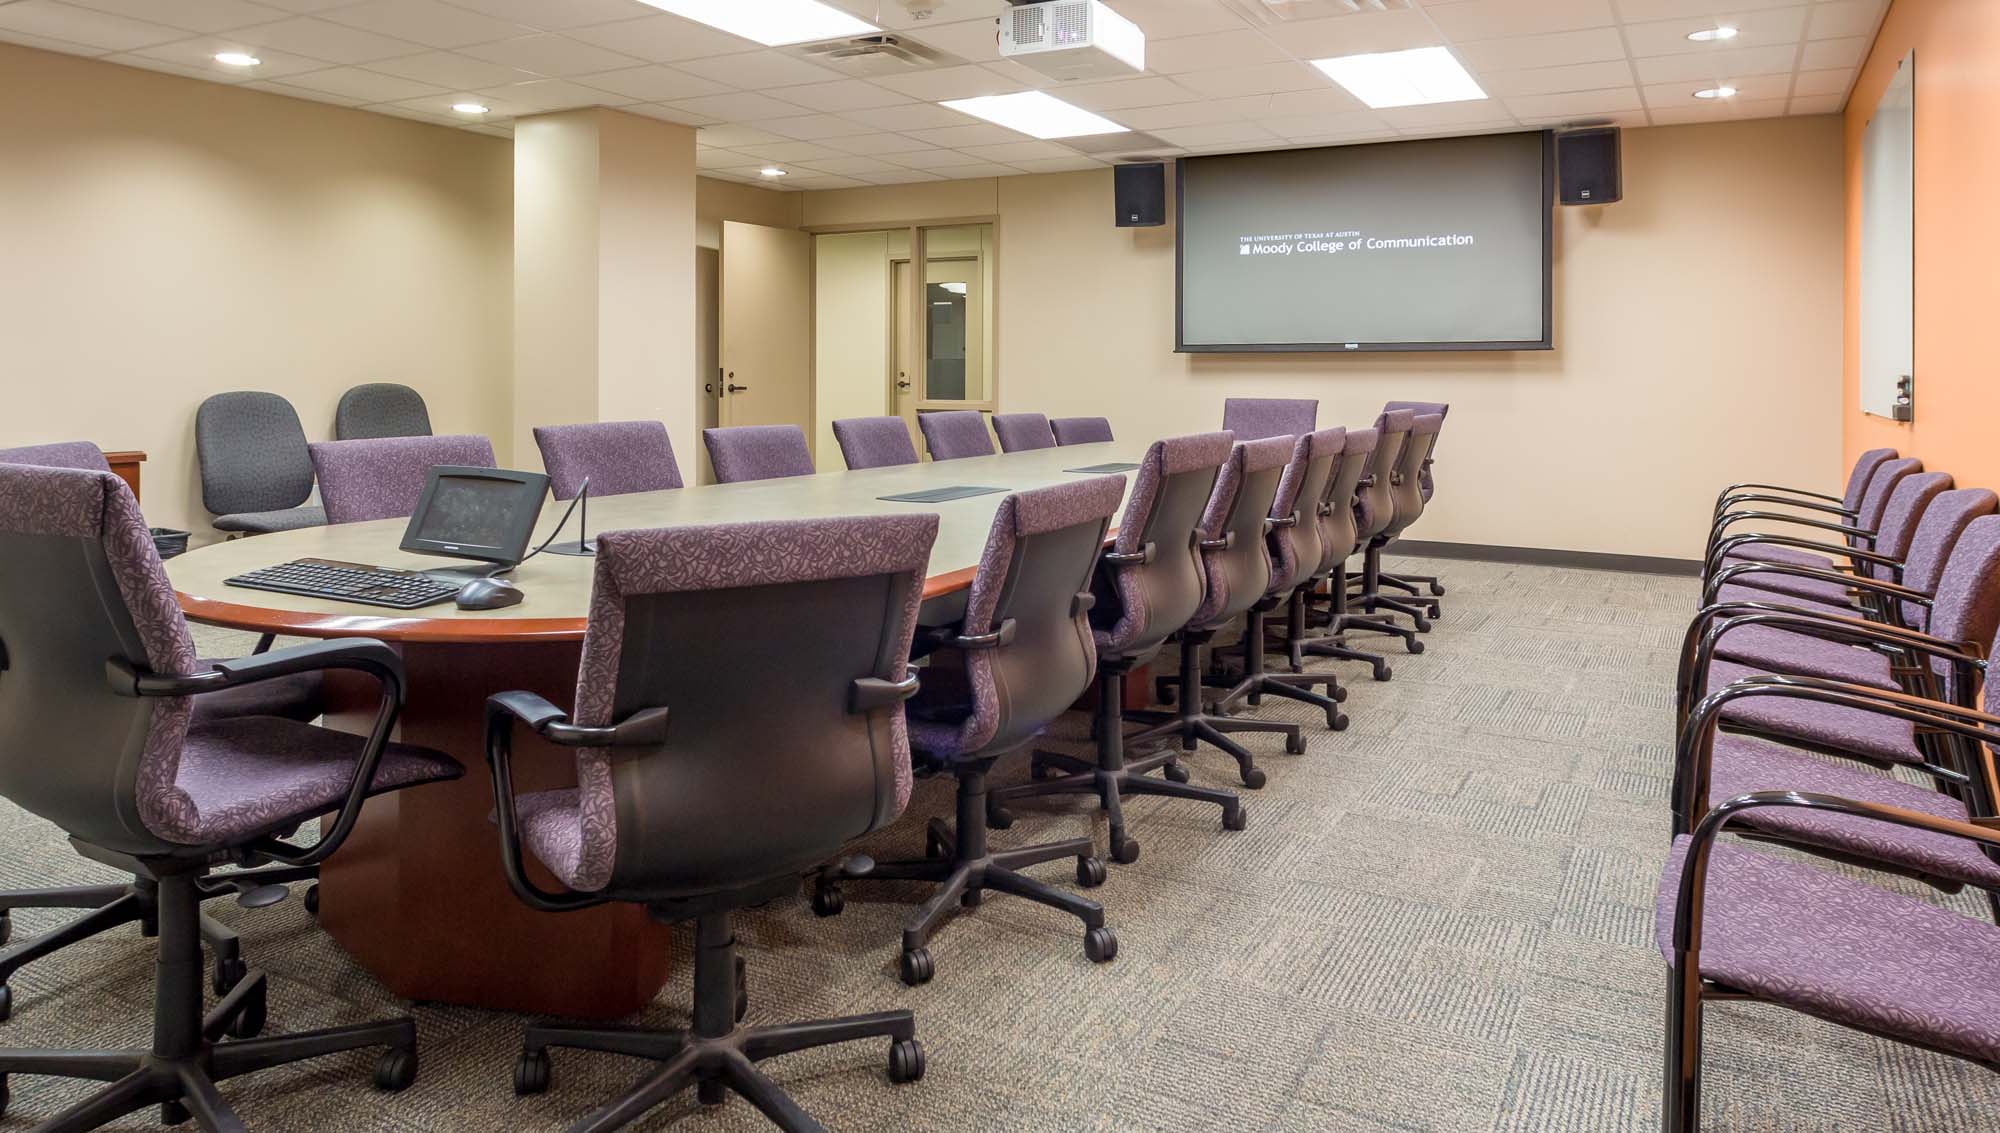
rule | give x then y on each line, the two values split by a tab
1142	194
1587	170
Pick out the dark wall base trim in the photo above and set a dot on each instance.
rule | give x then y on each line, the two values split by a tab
1546	556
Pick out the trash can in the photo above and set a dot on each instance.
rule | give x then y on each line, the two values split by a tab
168	541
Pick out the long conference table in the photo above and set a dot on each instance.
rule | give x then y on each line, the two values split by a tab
417	895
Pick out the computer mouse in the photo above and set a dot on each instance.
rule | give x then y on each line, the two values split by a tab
489	594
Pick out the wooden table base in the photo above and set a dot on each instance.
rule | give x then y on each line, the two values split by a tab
416	894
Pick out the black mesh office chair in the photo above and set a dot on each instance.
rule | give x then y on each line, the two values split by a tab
98	679
725	802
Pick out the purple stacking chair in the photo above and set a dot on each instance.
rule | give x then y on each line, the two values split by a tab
1427	486
1819	581
955	434
1252	418
1236	569
1294	537
1846	504
1019	432
1019	658
1936	536
874	442
1857	530
1940	663
1736	924
1080	430
725	803
757	452
1146	587
98	735
384	478
615	458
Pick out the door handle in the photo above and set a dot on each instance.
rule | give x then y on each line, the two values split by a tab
902	385
734	388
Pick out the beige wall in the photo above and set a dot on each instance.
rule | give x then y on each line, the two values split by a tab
163	239
1697	327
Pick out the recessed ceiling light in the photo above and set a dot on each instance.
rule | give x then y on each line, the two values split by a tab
1402	78
236	59
773	23
770	171
1710	35
1036	114
1716	92
469	107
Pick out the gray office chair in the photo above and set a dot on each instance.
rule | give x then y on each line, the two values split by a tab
1019	658
96	698
1146	587
256	474
725	802
380	409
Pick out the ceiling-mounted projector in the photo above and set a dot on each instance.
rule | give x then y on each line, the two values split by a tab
1073	39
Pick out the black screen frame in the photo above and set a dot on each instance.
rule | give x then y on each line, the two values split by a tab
534	486
1546	342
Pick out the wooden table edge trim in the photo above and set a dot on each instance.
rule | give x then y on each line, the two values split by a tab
392	627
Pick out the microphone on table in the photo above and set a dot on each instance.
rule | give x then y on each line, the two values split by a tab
582	545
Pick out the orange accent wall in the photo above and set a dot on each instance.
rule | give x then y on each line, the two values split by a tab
1957	237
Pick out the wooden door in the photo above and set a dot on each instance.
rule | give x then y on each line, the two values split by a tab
766	331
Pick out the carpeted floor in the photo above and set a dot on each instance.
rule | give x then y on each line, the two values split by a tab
1439	919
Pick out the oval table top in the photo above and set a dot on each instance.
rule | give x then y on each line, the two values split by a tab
558	587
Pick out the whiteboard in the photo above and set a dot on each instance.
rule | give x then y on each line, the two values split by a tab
1888	257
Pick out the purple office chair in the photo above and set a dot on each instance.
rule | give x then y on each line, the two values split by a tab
1405	507
1342	523
725	803
63	454
955	434
1251	418
98	735
1236	566
1294	537
757	452
1080	430
1375	502
874	442
616	457
1146	587
1845	504
1020	657
1019	432
384	478
1413	583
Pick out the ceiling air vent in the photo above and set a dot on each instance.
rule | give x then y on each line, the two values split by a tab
1286	11
871	56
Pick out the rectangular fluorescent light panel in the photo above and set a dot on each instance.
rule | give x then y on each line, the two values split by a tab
1417	77
773	23
1036	114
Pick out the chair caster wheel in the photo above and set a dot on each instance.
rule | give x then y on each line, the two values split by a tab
915	966
999	817
1416	646
228	973
249	1022
6	927
711	1092
742	988
1254	778
1124	851
1338	723
906	1061
396	1070
173	1113
531	1073
1423	624
1383	672
1295	744
1177	773
1437	589
827	901
4	1095
312	899
6	1003
971	898
1233	818
1090	871
1100	945
1339	695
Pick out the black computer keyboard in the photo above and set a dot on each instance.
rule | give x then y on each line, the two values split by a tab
350	582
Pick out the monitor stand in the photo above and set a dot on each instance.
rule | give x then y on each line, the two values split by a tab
472	573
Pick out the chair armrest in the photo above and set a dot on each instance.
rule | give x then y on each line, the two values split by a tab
1788	501
1853	582
358	654
1130	558
1283	521
1728	546
644	728
502	710
1222	544
1786	488
1729	519
870	694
